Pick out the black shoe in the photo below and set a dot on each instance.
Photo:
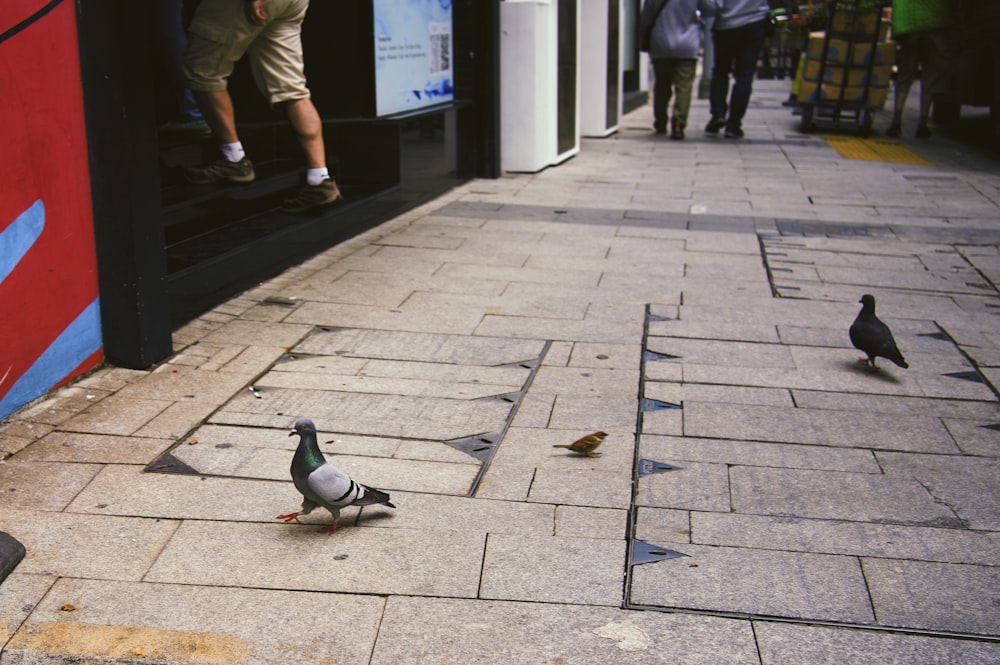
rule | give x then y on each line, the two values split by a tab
894	130
734	133
676	131
715	124
923	132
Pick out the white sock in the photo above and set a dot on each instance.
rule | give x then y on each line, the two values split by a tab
233	152
316	176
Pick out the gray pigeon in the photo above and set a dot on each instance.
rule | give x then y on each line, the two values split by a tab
323	485
870	335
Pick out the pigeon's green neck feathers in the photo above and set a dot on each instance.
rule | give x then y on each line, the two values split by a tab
308	453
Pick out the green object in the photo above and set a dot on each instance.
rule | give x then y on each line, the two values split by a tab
914	15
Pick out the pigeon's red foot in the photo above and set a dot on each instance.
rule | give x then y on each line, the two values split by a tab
332	529
290	517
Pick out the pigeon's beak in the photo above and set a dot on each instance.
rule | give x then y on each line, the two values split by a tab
293	433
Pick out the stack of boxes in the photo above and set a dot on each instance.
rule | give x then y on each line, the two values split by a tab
853	59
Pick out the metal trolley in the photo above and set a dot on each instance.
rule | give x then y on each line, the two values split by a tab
847	69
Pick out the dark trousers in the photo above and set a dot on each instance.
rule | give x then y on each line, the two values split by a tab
736	53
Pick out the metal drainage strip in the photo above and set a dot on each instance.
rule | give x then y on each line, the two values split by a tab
640	551
484	447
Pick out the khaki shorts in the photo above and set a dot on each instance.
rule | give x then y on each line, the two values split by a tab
220	35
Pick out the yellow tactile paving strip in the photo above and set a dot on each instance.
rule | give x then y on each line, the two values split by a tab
873	150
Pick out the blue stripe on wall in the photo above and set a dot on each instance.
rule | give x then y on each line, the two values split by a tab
17	239
80	340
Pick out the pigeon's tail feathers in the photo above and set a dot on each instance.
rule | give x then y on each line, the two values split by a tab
371	497
899	360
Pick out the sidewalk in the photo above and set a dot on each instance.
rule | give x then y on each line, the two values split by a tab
690	298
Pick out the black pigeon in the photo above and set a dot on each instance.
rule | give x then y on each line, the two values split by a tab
870	335
321	484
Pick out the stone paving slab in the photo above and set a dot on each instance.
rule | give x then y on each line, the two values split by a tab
854	538
461	631
764	333
594	413
975	437
420	347
21	592
788	584
965	484
116	415
863	497
42	485
94	449
294	557
582	487
893	404
528	446
815	426
94	546
190	624
662	525
431	512
676	450
426	418
729	353
934	596
794	644
128	491
585	522
676	393
578	570
693	486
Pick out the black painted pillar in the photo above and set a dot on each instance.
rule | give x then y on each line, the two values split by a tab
116	63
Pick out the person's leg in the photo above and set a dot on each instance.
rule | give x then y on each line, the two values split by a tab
218	37
746	52
684	75
661	93
907	61
217	109
719	88
935	77
308	128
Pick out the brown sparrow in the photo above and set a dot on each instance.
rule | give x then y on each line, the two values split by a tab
587	445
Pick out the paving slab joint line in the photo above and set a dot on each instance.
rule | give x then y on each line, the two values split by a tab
873	628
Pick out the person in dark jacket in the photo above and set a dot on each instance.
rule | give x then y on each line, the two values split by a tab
738	36
675	43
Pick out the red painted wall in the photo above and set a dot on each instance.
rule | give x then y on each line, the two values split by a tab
49	306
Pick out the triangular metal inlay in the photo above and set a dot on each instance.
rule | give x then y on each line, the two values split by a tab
643	552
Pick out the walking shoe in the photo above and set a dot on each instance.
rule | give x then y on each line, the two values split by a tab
715	124
221	171
314	196
676	131
923	132
734	133
894	130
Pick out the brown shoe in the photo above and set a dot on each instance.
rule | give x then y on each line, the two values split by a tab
221	171
676	131
314	196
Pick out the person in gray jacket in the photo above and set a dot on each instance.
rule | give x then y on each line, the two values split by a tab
675	43
738	36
